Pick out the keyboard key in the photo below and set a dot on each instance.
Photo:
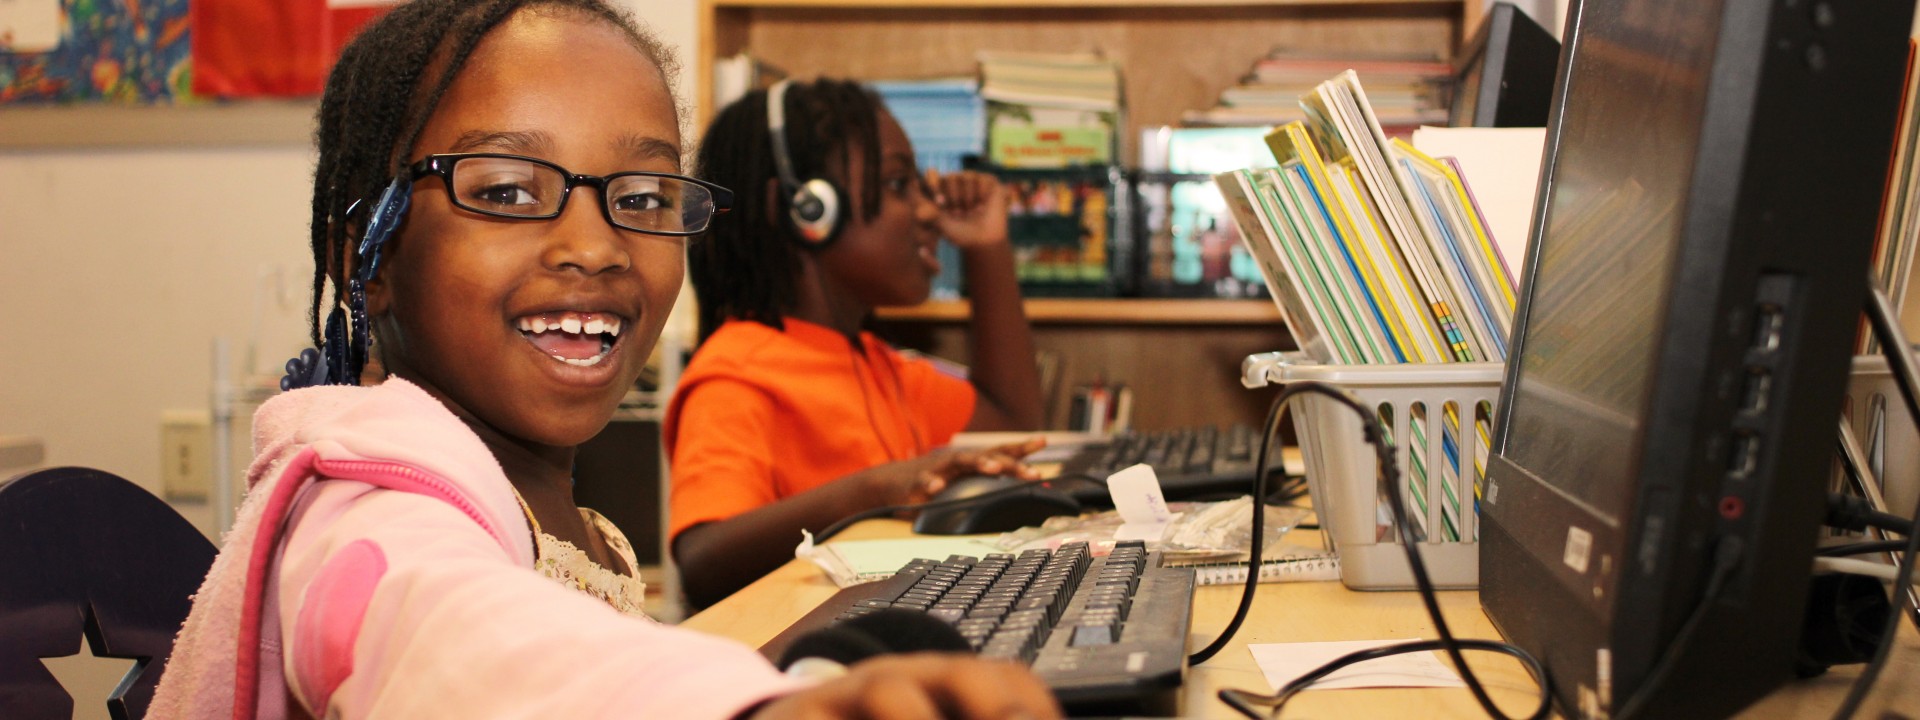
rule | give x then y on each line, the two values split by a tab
1094	635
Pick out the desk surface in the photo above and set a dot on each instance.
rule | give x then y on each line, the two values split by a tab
1303	612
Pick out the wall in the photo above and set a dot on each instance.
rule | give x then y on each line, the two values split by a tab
118	268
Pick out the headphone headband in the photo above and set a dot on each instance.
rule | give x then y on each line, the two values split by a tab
777	127
813	205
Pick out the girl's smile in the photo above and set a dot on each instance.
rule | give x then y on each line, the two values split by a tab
536	327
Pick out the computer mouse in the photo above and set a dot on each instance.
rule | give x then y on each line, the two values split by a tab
1024	503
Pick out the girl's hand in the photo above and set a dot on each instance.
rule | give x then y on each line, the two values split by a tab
973	208
921	685
915	481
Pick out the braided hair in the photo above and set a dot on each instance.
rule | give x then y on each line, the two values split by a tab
748	267
384	88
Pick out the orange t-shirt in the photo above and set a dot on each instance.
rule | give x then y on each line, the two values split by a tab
762	414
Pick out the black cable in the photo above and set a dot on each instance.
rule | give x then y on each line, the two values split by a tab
1862	548
1888	630
1389	475
1258	537
1886	328
1726	557
1244	701
1852	512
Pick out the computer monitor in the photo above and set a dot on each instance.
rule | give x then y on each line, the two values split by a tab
1697	270
1504	77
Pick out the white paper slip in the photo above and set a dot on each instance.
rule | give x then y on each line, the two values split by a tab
1143	509
1283	662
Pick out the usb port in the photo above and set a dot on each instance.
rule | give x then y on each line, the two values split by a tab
1759	386
1766	329
1746	455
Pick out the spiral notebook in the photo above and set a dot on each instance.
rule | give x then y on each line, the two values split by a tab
1294	568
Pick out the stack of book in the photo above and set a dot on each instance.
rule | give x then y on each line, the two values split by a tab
1375	252
1049	110
1407	89
946	119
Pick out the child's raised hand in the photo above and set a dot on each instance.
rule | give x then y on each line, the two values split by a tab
973	207
921	685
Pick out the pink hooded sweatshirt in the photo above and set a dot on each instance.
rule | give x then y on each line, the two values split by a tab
381	567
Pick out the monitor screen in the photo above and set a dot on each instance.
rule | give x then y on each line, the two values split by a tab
1604	263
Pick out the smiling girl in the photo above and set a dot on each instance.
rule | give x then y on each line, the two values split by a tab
498	209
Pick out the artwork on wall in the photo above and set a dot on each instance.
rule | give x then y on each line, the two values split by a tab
148	52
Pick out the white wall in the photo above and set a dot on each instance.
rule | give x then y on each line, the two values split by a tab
118	268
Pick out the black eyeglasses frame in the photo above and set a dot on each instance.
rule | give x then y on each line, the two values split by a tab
441	165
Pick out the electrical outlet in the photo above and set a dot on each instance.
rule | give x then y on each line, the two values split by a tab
186	455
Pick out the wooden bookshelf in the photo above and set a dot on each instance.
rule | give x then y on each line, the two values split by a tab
1180	356
1175	55
1052	311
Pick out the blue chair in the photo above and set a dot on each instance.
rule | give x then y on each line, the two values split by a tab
84	552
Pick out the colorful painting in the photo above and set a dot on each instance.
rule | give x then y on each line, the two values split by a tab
122	51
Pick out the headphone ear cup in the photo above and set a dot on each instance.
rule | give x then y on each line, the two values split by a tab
816	212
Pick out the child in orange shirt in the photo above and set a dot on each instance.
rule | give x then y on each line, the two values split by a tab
790	416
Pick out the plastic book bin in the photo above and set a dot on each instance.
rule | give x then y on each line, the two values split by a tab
1424	407
1355	519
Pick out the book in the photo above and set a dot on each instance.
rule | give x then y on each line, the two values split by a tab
1347	128
1330	252
1301	310
1317	567
1411	330
1456	252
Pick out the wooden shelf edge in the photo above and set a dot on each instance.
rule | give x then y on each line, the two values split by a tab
97	125
1105	312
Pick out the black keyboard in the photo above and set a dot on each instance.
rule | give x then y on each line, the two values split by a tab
1190	462
1108	635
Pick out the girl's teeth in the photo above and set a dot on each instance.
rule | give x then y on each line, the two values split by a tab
539	325
594	326
613	326
582	362
571	325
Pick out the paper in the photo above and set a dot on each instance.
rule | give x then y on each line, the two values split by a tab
29	25
851	562
1284	662
1143	509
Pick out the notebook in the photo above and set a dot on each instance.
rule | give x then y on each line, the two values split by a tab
1291	568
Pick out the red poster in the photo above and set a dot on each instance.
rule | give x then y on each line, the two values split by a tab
272	48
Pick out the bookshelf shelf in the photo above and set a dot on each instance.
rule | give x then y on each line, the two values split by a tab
1175	55
1050	311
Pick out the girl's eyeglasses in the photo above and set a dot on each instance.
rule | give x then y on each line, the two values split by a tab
516	186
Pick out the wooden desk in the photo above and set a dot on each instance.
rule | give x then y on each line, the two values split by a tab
1303	612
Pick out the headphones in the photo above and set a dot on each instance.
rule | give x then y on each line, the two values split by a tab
813	205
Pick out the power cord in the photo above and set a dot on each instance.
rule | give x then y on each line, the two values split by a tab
1726	557
1903	578
1255	540
1852	512
1244	701
1862	548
